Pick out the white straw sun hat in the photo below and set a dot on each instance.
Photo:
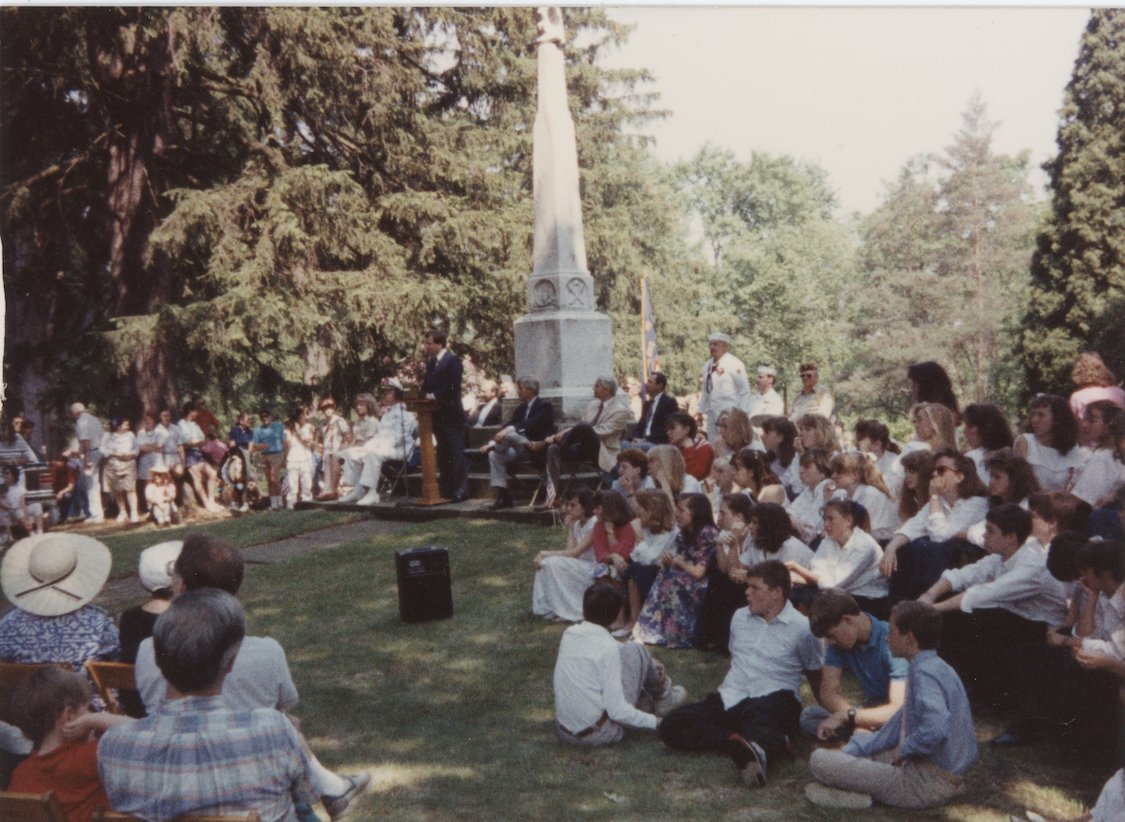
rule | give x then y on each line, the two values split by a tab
54	574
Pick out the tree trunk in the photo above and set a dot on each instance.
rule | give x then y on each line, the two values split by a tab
131	55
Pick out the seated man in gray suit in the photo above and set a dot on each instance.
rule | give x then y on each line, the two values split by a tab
532	422
597	438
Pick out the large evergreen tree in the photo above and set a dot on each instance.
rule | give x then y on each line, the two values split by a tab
1077	300
268	201
945	259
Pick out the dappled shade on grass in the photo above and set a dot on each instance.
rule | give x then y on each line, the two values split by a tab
456	716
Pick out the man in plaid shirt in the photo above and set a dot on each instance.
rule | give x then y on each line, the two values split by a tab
195	754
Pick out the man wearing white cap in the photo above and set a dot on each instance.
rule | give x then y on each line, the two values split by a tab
724	382
765	401
394	441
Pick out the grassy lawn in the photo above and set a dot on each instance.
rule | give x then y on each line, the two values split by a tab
254	529
455	717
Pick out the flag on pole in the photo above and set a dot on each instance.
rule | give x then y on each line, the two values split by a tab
650	356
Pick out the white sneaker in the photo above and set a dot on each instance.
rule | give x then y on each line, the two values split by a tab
340	806
98	520
353	496
675	697
134	519
122	517
370	498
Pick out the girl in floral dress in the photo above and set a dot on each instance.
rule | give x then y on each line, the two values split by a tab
674	601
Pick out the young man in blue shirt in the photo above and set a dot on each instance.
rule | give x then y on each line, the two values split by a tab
857	642
917	758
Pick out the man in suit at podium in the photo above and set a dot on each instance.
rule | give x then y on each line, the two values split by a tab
443	384
532	422
658	407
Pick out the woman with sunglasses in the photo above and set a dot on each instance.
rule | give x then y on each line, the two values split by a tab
932	540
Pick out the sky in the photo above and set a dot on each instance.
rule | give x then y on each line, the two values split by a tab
858	91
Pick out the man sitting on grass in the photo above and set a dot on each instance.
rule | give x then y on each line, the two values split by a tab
1003	601
197	753
602	684
917	758
856	642
755	712
260	677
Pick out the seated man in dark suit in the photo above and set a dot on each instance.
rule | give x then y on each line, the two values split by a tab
532	422
655	413
489	411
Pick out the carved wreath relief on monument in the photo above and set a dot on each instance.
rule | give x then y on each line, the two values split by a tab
543	295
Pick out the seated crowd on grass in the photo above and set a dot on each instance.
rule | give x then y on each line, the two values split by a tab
982	570
957	570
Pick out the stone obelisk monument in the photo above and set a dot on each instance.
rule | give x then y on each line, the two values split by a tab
562	341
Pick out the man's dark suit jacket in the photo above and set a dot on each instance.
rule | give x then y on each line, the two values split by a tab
494	415
665	408
541	423
443	380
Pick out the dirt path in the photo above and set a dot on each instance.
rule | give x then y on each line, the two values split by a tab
126	591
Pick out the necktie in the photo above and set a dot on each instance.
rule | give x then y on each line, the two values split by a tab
598	415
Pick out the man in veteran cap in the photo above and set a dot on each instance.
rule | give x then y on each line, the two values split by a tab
724	382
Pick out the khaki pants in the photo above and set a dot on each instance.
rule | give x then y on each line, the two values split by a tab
913	784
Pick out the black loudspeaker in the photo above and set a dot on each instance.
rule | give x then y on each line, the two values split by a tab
424	587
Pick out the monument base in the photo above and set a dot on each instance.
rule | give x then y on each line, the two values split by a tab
566	351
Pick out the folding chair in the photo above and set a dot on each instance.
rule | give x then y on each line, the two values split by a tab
31	807
396	472
109	678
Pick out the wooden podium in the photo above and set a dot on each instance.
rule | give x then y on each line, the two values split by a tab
424	409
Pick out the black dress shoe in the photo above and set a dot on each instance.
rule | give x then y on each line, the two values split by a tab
460	496
501	503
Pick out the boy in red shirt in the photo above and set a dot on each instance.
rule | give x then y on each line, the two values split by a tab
52	708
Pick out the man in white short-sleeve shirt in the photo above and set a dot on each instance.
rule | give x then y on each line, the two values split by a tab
754	715
724	382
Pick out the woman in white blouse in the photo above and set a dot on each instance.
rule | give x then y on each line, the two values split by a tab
929	543
874	438
816	431
1103	424
855	477
847	558
656	531
779	436
805	510
1051	443
935	428
669	474
986	430
562	577
120	448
